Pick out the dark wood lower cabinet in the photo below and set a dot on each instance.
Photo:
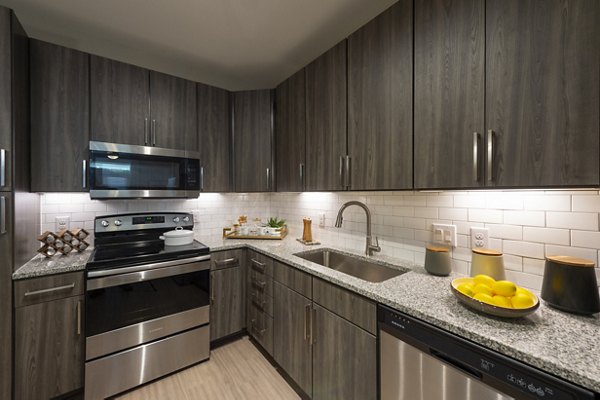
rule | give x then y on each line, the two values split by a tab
344	359
291	339
227	310
49	344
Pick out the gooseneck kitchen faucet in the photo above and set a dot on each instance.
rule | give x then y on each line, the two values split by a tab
370	248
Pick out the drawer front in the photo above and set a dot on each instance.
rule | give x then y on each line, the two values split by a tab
346	304
260	263
260	282
226	259
260	326
48	288
292	278
260	300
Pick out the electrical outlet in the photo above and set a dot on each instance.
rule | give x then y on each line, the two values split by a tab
61	223
480	238
445	234
322	220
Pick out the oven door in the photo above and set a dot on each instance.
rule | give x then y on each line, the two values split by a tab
128	309
127	171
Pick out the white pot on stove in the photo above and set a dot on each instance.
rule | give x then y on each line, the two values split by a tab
178	237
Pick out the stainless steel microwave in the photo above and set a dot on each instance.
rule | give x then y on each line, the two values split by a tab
128	171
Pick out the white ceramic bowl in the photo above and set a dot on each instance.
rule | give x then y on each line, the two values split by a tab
178	237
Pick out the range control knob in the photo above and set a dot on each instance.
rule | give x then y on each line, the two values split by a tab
104	223
176	219
186	219
118	222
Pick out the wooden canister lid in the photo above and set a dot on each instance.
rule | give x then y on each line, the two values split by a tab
572	261
437	249
487	252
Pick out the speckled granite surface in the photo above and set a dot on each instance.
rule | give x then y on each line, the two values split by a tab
562	344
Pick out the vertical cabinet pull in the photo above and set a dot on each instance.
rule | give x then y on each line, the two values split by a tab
84	174
153	132
302	175
2	215
2	167
268	178
476	137
342	171
79	318
490	155
306	322
201	179
313	318
146	131
212	288
347	166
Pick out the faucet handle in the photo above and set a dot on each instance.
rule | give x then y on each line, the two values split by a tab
377	248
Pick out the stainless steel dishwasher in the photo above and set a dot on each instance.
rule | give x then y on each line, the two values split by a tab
421	362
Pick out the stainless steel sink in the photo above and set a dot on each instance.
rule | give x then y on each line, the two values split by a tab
355	266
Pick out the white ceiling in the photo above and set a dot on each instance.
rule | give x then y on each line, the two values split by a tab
235	44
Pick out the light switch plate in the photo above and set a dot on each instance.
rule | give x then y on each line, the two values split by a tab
480	238
61	223
445	234
322	220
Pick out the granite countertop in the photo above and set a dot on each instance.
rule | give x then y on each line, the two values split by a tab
562	344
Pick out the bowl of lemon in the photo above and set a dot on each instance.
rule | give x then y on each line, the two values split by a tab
499	298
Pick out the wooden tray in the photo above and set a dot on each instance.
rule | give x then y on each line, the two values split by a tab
236	235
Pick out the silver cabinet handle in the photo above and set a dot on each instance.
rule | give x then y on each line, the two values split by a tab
342	171
2	215
302	175
227	261
261	266
153	132
212	288
2	167
50	290
79	318
256	330
476	138
348	182
146	131
84	174
313	318
258	284
201	179
268	178
490	155
257	301
306	321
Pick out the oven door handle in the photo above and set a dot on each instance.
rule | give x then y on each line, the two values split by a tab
135	277
145	267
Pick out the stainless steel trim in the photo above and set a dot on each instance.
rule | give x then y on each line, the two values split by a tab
144	332
138	194
268	178
476	156
2	215
146	267
262	266
201	179
114	374
121	279
146	131
143	150
226	262
84	174
153	132
79	318
2	167
490	155
342	171
50	290
348	176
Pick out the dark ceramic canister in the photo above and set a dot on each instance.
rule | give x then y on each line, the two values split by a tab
570	285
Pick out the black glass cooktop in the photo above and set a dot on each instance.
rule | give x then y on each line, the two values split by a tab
125	254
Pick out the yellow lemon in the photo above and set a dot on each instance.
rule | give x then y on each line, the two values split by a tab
484	280
484	298
502	301
465	288
524	291
504	288
521	301
481	288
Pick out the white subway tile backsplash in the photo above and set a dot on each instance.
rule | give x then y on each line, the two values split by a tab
586	203
500	231
485	215
546	235
585	239
548	203
455	214
572	220
528	218
525	249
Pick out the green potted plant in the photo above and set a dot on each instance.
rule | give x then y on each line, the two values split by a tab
275	225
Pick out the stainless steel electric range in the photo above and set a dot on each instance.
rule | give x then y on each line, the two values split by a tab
147	304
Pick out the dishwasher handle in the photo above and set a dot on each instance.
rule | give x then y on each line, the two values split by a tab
456	364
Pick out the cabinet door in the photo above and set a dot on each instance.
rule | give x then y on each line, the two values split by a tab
6	301
228	304
380	101
344	359
120	102
291	341
326	120
214	138
49	348
542	89
252	136
290	133
449	93
60	112
173	110
5	99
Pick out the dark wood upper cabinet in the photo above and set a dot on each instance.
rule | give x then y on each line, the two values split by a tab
326	120
290	133
542	92
120	102
60	112
5	99
252	129
380	75
173	111
449	93
214	138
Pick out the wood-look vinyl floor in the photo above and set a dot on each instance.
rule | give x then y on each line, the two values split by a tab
235	371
